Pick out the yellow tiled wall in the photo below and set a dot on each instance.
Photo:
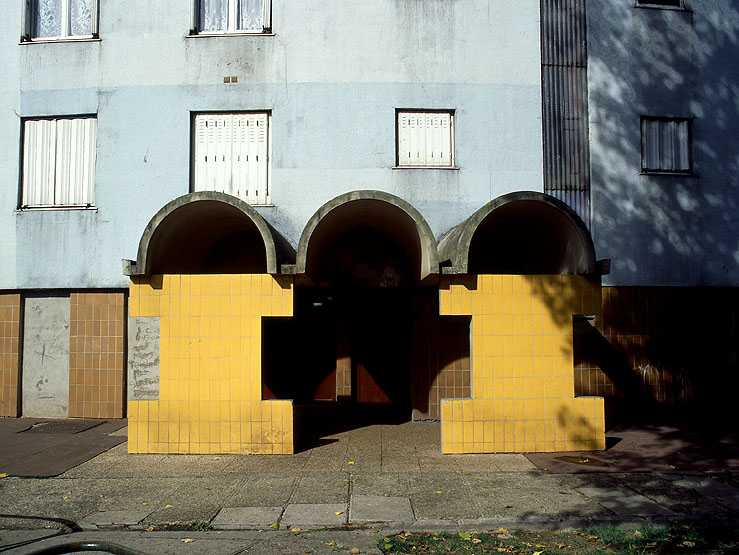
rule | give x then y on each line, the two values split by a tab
522	366
210	374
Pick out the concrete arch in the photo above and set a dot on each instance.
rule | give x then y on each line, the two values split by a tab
192	225
382	211
545	233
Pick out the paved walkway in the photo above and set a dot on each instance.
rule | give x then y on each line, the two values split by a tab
376	477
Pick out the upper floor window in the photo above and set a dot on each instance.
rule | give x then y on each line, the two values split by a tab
665	145
61	19
231	155
233	16
425	139
59	162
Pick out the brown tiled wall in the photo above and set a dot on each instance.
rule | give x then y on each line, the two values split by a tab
676	344
96	355
9	336
441	358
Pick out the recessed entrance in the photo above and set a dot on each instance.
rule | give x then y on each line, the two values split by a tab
346	353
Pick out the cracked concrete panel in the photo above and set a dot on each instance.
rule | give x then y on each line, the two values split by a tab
143	358
46	357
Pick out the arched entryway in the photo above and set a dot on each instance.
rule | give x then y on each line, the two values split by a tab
361	259
520	233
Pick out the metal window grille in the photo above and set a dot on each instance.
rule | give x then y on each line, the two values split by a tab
665	145
425	139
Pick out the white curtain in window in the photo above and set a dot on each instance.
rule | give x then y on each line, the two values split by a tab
59	162
47	18
213	15
251	15
80	17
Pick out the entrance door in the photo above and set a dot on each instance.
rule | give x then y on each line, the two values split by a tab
380	350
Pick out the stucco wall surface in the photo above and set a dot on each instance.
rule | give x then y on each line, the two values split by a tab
332	76
662	229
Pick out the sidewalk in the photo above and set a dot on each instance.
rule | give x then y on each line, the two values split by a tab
386	476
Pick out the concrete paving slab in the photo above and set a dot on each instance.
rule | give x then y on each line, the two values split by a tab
321	489
706	486
391	485
263	491
314	515
246	518
105	519
364	509
625	501
441	496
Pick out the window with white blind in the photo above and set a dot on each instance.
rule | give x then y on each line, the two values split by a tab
233	16
59	162
425	139
231	155
61	19
665	145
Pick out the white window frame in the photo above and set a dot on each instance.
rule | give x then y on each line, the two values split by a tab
29	23
230	175
673	142
426	160
231	28
53	173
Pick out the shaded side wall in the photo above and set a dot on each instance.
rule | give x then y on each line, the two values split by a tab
209	393
664	345
523	391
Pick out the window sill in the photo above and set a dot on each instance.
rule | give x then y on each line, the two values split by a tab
453	168
55	207
225	34
673	174
57	40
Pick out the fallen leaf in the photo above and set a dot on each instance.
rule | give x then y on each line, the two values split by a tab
275	526
476	478
465	536
339	513
216	458
388	546
187	540
438	491
593	538
169	506
354	550
502	531
536	553
350	462
476	540
637	533
66	498
149	529
3	475
144	503
296	529
687	543
332	543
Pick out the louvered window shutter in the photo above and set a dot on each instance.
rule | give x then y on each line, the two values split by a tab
231	155
425	139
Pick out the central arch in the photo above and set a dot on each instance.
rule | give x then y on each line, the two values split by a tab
360	260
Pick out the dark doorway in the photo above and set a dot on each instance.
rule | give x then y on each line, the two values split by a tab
345	356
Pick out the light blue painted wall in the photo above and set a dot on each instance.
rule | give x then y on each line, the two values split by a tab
332	75
665	230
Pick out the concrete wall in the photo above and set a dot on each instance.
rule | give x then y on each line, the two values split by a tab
332	75
665	230
46	357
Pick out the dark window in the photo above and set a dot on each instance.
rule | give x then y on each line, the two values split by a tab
658	3
666	145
